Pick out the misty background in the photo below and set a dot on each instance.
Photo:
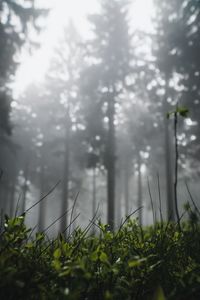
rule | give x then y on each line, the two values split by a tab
85	89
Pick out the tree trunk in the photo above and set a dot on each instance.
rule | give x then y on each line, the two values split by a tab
139	203
126	187
169	174
65	182
94	191
119	189
41	217
4	198
12	197
25	187
168	157
111	163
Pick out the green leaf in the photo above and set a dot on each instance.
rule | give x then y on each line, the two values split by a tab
136	262
56	264
103	257
159	294
57	253
66	249
39	236
183	111
108	295
94	256
29	245
168	114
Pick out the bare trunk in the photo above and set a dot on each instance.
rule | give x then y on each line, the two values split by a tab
65	182
12	197
169	178
119	189
4	198
176	168
94	192
168	157
41	217
111	164
126	188
25	187
169	175
94	195
139	202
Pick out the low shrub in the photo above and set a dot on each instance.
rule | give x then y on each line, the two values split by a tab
158	262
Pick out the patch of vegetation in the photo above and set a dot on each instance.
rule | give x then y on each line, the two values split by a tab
156	263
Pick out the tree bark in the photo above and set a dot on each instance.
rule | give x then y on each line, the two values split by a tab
126	187
168	158
111	163
139	202
65	182
169	175
94	192
41	217
119	190
25	186
12	197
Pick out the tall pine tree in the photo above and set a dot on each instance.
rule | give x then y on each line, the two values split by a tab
15	16
103	81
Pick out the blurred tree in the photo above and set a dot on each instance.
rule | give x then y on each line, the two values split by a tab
62	82
162	92
15	17
176	45
185	46
29	117
36	135
138	134
108	59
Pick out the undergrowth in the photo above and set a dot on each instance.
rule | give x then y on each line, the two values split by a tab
156	263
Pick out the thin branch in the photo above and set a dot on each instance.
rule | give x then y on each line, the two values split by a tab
45	196
73	207
176	166
86	230
128	217
55	221
51	244
159	198
151	200
71	223
17	206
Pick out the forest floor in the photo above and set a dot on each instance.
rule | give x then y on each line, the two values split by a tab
153	263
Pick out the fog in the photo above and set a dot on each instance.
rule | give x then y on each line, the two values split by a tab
99	111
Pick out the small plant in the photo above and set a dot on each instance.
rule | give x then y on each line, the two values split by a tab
183	112
152	263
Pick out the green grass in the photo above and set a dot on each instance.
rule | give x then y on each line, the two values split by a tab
155	263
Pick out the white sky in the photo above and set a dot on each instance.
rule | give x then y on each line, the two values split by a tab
33	67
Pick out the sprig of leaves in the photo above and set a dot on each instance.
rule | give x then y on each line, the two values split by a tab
180	110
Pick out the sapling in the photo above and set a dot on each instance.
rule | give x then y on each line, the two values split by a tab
183	112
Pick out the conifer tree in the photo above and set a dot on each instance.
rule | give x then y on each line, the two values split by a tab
15	17
104	79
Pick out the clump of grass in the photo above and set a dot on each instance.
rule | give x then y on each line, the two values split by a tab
155	263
